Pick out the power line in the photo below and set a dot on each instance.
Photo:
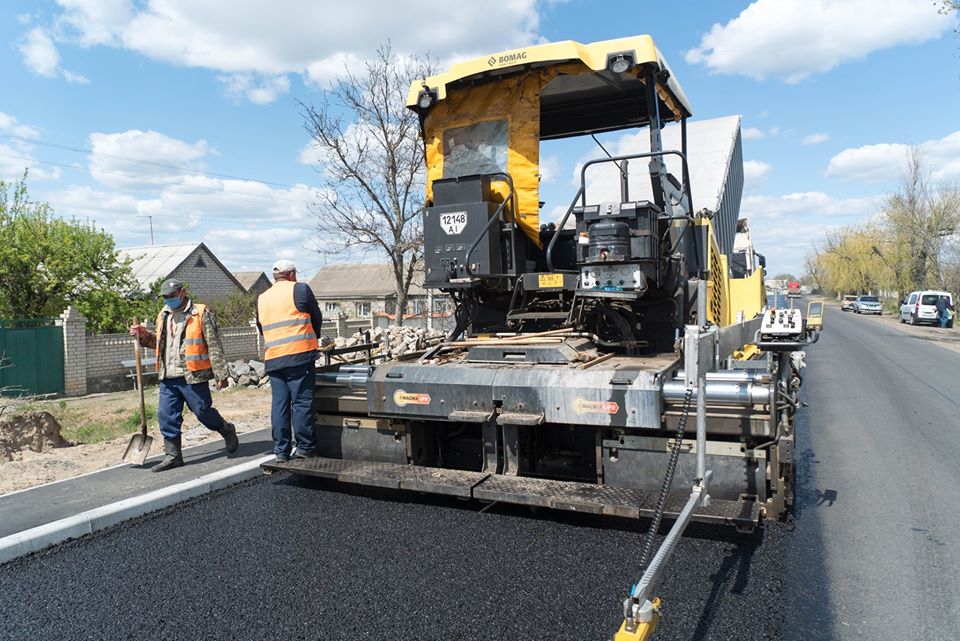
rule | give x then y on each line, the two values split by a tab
87	150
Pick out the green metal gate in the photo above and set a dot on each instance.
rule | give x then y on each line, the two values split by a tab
32	356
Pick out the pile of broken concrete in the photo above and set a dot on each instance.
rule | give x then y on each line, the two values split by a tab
394	341
247	374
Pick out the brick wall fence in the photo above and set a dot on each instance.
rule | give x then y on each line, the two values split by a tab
94	363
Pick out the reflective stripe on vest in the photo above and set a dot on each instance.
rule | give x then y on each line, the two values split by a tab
196	355
286	330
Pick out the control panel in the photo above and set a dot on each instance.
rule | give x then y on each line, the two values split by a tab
815	315
782	323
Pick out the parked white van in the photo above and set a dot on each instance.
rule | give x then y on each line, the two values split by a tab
921	307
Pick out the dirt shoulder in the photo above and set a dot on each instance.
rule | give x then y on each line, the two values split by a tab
101	425
945	338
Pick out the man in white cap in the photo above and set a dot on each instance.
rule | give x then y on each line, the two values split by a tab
289	319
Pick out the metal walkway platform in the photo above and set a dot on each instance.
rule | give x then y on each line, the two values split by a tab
560	495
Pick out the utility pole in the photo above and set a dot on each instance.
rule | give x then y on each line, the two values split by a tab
150	219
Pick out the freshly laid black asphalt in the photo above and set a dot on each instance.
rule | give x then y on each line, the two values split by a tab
869	554
288	558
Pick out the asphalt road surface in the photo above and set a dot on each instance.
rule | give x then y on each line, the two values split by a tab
875	554
871	552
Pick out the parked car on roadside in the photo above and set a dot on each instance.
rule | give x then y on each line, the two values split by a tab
846	304
921	307
867	305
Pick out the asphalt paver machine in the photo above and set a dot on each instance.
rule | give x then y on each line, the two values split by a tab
618	361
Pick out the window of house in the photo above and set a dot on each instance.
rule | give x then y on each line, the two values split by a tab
332	307
390	307
440	305
415	305
199	262
363	309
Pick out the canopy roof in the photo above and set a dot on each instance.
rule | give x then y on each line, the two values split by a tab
585	95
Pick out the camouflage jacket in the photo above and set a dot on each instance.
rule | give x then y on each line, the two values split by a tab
211	334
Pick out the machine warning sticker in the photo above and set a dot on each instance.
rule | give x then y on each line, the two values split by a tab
550	280
582	406
402	398
453	222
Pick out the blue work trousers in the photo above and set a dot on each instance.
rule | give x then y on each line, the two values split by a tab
293	389
174	392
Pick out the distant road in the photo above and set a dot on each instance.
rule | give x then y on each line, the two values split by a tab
876	552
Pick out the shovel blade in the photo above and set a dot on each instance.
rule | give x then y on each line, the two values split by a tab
137	449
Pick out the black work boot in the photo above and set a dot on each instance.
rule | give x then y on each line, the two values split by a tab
230	440
173	458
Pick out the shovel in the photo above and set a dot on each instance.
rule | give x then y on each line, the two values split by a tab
140	443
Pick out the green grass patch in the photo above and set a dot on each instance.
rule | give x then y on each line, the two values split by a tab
105	427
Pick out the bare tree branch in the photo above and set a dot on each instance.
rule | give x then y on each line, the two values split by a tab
373	169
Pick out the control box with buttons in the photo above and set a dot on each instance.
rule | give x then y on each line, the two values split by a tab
782	323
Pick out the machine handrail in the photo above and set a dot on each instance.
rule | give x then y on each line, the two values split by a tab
582	192
649	154
511	197
563	221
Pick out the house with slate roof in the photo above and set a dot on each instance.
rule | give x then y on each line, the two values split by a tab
205	276
362	290
253	282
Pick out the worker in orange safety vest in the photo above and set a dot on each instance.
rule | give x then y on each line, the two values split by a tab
289	320
189	356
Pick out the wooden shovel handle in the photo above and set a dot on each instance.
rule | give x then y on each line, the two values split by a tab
143	408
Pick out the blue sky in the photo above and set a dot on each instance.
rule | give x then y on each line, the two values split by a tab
186	110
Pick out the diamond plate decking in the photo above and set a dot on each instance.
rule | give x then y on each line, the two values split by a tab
560	495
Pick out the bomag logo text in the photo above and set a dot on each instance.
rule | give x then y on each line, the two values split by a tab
517	56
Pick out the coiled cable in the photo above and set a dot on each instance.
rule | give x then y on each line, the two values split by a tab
667	481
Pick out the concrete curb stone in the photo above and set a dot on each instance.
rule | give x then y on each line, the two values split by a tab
91	521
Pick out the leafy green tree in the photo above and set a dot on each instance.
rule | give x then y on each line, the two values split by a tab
47	263
236	311
108	311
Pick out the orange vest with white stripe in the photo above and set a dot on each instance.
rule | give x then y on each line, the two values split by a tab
286	330
196	356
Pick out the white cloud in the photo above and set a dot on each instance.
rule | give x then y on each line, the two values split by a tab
151	174
752	133
10	125
137	159
813	36
17	155
39	53
549	169
13	162
41	56
808	204
267	39
815	139
785	228
246	224
888	161
259	90
755	173
310	155
74	78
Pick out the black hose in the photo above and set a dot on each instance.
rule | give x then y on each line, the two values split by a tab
667	482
